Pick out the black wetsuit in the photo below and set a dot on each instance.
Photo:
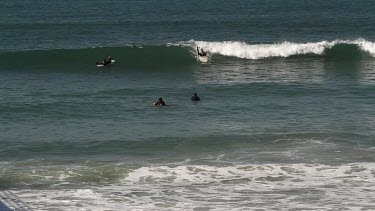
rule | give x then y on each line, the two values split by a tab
202	53
195	98
107	61
160	102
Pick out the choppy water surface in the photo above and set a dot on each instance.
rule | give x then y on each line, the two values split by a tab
285	121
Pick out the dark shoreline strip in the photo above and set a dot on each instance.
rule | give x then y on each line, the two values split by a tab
3	207
10	202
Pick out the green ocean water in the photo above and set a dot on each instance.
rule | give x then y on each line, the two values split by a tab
285	121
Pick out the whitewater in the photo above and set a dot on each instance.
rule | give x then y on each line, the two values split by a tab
260	51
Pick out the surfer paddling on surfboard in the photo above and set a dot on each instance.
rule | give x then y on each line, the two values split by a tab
160	102
105	61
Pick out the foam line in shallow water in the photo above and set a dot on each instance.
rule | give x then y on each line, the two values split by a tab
182	186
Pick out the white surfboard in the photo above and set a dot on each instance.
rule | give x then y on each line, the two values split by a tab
102	65
203	59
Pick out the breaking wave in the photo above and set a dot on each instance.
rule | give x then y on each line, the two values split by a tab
336	48
182	54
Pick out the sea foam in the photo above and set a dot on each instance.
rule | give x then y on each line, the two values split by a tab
203	187
285	49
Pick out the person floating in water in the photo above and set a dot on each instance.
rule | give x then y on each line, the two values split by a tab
195	97
106	61
160	102
202	53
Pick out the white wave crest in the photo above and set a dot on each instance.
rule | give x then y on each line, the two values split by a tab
202	174
365	46
258	51
206	187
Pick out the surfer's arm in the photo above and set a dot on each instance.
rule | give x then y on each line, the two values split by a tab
199	54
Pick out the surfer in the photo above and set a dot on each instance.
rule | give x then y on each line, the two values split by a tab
202	53
195	97
106	61
160	102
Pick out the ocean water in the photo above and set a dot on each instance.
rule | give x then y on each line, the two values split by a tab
286	119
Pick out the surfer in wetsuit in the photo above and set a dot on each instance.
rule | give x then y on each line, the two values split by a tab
160	102
195	97
202	53
107	60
